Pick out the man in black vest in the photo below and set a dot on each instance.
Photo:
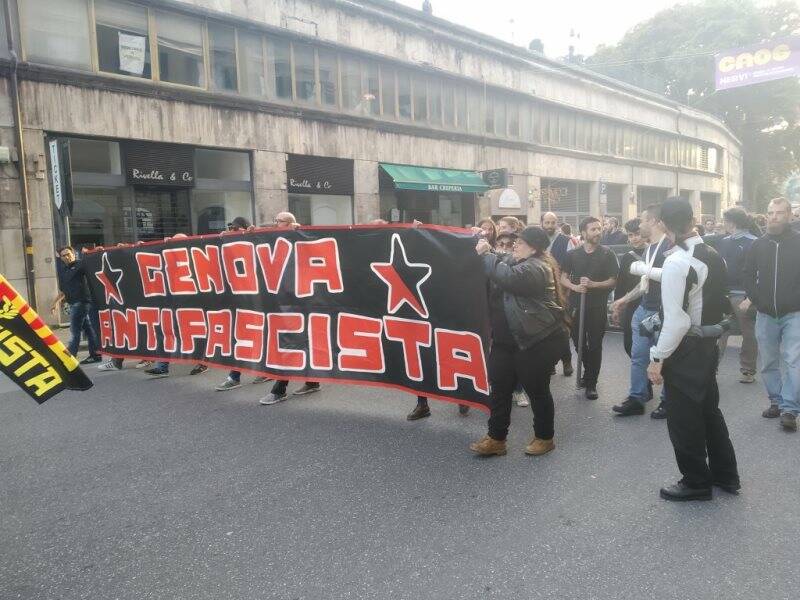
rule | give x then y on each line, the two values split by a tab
693	285
560	245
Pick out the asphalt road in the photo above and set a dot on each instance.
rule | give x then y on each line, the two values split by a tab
164	489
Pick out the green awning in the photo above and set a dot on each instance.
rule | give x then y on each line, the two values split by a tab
434	180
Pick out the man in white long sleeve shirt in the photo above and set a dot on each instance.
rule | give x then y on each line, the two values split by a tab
649	290
693	284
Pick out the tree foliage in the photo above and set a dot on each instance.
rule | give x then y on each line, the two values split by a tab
673	54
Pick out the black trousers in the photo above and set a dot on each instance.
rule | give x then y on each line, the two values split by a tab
697	429
279	387
532	368
594	329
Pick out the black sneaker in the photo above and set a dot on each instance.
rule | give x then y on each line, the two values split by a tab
681	492
630	407
420	412
157	372
660	412
567	369
591	393
731	488
91	359
198	369
773	412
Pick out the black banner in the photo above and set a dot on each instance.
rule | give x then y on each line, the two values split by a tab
30	354
395	306
159	165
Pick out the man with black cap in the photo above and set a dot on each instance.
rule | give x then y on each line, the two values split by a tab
693	285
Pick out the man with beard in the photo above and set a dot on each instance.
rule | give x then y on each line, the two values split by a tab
627	282
771	278
560	246
590	270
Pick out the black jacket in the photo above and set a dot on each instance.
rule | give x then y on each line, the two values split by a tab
529	298
771	273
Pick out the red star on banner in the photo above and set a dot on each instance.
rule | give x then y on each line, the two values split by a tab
110	278
392	274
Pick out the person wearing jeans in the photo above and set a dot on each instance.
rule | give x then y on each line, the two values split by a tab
74	289
771	277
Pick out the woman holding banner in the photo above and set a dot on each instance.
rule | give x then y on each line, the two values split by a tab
529	330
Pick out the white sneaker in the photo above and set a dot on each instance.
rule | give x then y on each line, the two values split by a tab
108	366
144	364
521	399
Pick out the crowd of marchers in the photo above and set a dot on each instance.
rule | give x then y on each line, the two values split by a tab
677	288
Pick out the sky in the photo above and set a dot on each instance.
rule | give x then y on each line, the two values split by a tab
520	21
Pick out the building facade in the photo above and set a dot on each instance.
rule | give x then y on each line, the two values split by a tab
144	118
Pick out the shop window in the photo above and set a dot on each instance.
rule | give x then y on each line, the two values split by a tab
404	95
420	92
328	77
180	50
223	57
321	209
304	73
435	99
221	164
351	84
212	210
101	217
94	156
388	92
56	33
372	89
123	44
281	69
251	65
161	213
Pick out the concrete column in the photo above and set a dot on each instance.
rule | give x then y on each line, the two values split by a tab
697	206
629	208
594	199
269	184
533	197
366	199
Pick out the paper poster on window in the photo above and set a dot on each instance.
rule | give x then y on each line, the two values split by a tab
131	53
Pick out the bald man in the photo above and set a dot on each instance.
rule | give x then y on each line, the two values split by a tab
560	244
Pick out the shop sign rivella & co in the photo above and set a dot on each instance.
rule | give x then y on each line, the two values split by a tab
159	165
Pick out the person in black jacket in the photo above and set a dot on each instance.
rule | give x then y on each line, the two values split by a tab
528	331
73	283
771	278
733	249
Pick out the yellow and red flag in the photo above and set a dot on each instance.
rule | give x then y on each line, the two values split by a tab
30	353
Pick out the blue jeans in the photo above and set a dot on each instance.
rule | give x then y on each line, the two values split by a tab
78	322
640	389
779	349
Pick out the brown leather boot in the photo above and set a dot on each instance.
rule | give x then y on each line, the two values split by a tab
487	446
537	447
